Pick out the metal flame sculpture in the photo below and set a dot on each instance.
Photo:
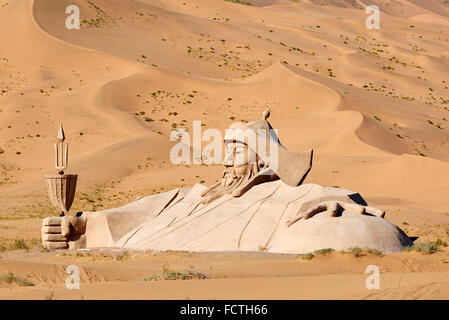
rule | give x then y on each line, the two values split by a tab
61	187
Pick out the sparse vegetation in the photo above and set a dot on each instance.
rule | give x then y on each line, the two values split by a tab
311	255
19	245
246	3
388	68
12	278
168	274
122	257
101	17
428	247
360	252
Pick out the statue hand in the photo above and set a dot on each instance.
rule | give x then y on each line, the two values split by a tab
334	207
71	226
64	232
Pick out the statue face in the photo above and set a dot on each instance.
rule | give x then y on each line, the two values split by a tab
242	166
237	162
239	167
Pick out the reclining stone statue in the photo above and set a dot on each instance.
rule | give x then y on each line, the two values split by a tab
258	205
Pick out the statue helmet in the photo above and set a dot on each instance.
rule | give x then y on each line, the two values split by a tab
291	167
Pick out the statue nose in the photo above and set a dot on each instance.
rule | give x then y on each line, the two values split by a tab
228	161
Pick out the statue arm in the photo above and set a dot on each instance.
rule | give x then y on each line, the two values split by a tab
333	207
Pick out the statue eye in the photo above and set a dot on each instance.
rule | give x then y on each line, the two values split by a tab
239	150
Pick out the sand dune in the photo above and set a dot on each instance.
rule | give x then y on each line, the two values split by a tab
373	104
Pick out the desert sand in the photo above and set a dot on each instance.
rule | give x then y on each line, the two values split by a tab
373	104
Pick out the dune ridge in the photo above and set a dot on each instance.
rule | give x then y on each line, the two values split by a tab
374	105
358	116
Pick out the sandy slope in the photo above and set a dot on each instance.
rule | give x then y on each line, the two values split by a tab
373	104
108	275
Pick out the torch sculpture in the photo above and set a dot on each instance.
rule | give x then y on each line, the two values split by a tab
61	191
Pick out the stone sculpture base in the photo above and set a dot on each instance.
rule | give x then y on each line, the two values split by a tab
256	221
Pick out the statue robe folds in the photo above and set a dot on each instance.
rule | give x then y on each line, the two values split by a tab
256	221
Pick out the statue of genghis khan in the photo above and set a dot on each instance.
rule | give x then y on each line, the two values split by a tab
260	204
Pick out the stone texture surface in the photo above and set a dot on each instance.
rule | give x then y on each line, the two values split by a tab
61	190
259	205
55	245
176	220
51	229
53	237
52	221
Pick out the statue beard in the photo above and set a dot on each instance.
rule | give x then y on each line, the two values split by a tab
229	182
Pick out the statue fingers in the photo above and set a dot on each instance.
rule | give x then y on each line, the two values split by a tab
306	214
362	209
377	212
51	225
332	206
52	237
315	210
203	193
352	207
51	221
65	226
293	220
51	229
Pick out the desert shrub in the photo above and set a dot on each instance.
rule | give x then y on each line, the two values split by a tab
122	257
374	251
19	245
168	274
10	278
428	247
308	256
356	251
323	251
311	255
360	252
441	243
246	3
